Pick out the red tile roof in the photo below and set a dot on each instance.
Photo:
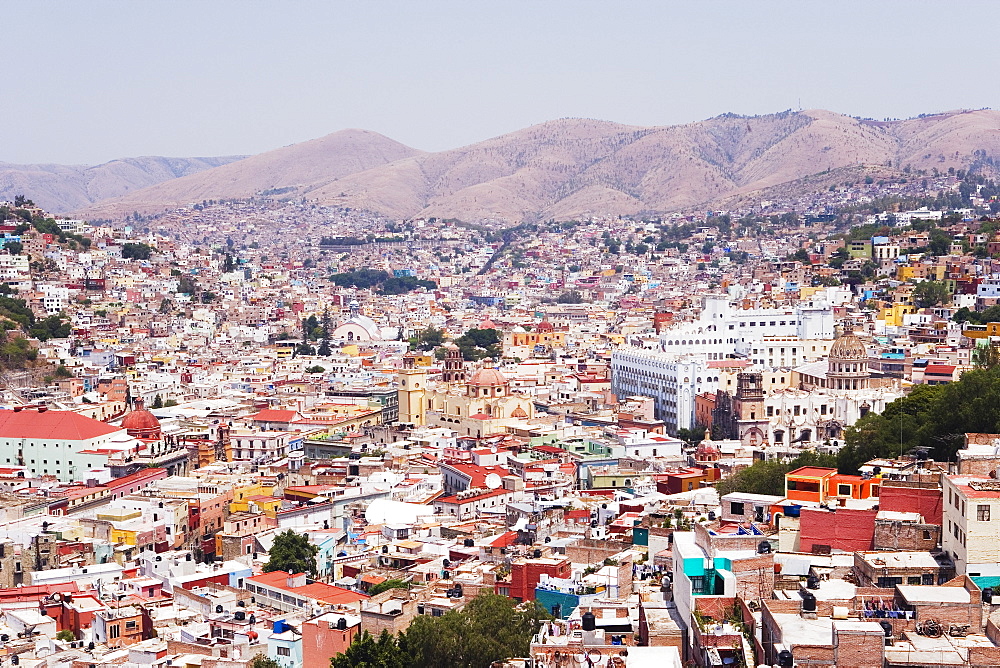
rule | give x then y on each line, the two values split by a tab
61	425
274	415
317	590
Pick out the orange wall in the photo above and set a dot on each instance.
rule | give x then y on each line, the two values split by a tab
320	643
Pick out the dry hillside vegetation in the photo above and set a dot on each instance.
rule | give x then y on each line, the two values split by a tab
571	168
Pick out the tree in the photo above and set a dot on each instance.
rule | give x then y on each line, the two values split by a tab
66	635
802	255
477	344
157	402
367	652
136	251
931	416
14	247
839	257
768	476
939	242
391	583
52	327
261	661
292	553
324	348
427	339
187	285
570	297
316	368
986	356
488	629
927	294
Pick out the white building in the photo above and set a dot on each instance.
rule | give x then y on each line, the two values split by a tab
971	524
13	267
672	383
60	443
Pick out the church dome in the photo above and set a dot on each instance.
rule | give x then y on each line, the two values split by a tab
848	347
487	377
140	423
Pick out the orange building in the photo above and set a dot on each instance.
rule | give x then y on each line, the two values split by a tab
326	636
819	485
544	333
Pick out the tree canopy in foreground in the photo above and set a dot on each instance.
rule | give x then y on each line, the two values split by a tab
489	628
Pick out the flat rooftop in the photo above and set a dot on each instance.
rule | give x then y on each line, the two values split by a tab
929	594
798	631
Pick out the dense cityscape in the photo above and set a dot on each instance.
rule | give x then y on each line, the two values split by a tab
272	432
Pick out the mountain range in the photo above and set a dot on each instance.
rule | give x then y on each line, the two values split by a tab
560	169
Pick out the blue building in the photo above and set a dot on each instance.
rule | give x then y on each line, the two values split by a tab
284	645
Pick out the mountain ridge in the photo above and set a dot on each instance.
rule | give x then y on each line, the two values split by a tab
574	167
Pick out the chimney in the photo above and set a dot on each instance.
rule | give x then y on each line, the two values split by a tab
296	580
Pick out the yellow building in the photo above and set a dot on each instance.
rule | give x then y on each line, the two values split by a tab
478	406
242	495
893	315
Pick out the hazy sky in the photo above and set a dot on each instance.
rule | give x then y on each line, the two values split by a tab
87	81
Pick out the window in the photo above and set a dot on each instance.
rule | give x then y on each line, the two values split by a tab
983	513
697	585
927	535
736	507
131	625
284	651
114	631
843	490
913	580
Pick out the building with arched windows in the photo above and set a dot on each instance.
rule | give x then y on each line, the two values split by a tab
480	403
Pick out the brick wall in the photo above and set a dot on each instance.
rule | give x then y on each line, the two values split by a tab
716	607
726	543
894	535
589	551
754	577
984	657
857	649
376	622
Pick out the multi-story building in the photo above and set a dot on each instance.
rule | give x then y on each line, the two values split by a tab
672	382
65	444
970	526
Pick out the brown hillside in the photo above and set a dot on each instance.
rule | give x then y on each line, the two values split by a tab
296	167
576	167
62	188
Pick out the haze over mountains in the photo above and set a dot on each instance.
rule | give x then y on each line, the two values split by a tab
566	168
63	188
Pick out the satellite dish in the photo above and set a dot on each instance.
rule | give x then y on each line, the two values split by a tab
493	481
